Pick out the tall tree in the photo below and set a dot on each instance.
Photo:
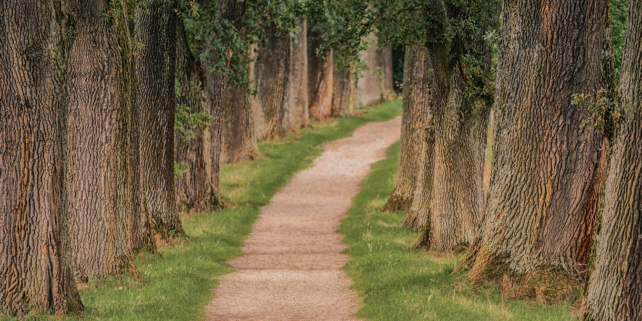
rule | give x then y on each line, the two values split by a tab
298	89
369	85
155	70
103	162
343	87
615	284
415	108
387	88
35	251
548	168
192	189
320	76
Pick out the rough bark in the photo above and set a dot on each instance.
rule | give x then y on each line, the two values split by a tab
103	160
155	70
298	80
369	85
615	284
192	190
342	92
239	135
387	88
419	213
35	251
320	78
215	90
413	117
546	175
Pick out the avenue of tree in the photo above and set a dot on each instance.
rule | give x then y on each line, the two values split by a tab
117	115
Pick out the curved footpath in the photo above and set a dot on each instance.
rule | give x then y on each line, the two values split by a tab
290	270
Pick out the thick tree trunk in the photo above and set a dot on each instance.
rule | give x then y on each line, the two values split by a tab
342	92
369	86
320	79
35	252
193	189
298	80
271	75
415	108
615	284
155	69
387	88
547	170
215	90
239	135
103	165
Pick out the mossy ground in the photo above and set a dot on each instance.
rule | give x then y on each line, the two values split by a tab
398	283
180	280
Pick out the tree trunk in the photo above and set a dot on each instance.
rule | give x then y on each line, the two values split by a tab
342	100
193	189
271	74
320	79
615	284
369	85
387	88
215	90
298	80
546	175
103	163
155	68
419	212
35	252
415	108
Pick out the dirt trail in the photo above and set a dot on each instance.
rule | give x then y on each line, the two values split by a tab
290	270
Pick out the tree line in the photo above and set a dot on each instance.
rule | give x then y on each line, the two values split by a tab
116	116
563	210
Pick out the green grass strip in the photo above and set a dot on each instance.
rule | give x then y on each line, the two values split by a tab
398	283
179	283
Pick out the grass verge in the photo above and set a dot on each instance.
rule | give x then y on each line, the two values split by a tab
398	283
179	281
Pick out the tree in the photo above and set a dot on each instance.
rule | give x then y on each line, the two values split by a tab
320	75
155	70
614	286
369	90
545	183
416	85
35	251
343	88
104	202
298	90
192	188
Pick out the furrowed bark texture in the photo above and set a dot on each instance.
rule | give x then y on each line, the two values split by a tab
546	174
35	252
387	88
369	84
272	76
615	283
193	190
103	160
155	70
414	113
320	79
215	91
239	136
298	80
342	92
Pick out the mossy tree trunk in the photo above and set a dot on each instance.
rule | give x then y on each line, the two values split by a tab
615	282
272	76
35	252
103	184
215	93
415	108
320	78
298	80
193	189
547	170
155	70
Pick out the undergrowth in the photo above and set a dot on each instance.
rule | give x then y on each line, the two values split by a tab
398	283
179	281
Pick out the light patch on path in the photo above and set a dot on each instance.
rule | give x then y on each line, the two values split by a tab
290	270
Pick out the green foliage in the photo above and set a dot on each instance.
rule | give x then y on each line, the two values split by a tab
398	283
618	30
178	282
604	110
184	125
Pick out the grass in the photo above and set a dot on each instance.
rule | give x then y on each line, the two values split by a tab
180	281
398	283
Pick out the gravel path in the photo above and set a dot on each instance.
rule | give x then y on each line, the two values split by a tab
290	270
